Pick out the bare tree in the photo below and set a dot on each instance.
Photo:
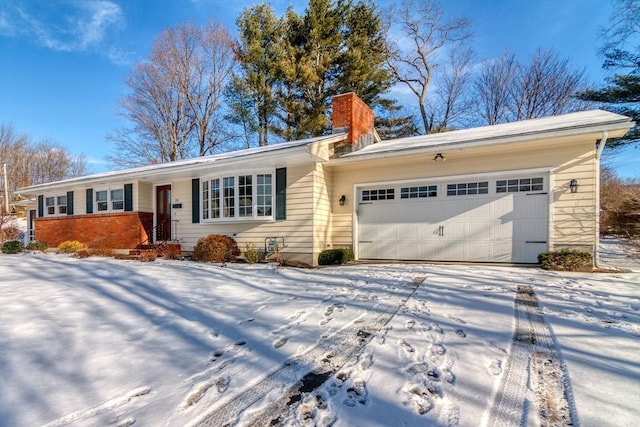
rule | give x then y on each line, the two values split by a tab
492	88
418	35
31	163
175	105
450	104
507	90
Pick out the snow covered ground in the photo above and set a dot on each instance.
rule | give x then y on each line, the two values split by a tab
98	342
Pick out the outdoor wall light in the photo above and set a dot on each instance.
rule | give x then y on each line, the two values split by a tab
440	157
573	185
343	200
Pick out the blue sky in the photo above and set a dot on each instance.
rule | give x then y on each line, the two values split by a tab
63	62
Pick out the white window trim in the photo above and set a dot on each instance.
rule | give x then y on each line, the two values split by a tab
109	201
236	197
56	209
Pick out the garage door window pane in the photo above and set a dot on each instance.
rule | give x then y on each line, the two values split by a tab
382	194
419	192
466	188
522	184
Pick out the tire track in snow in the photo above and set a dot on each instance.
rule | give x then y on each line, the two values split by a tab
533	361
321	361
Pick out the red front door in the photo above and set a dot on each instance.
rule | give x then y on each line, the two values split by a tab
163	213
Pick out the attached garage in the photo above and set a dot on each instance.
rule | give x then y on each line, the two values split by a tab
497	218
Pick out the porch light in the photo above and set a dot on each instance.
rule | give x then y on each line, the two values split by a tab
573	185
342	200
440	157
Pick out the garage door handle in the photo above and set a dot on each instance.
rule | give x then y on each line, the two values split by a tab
441	231
535	241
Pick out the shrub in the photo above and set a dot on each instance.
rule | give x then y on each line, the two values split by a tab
215	248
70	247
12	247
335	256
251	254
148	256
170	252
566	260
11	232
82	253
104	246
38	245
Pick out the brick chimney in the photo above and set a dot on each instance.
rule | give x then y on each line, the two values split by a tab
351	114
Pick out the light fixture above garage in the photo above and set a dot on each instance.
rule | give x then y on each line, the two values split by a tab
573	185
439	157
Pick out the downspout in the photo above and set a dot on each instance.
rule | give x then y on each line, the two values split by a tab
596	249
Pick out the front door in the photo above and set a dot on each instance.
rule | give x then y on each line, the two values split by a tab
32	225
163	213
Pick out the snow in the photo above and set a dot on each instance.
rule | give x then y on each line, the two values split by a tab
98	341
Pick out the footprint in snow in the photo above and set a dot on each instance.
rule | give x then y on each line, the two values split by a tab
495	367
262	307
461	333
408	348
457	319
356	393
410	324
280	342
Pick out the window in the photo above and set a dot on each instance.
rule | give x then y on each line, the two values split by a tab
109	200
50	203
382	194
117	200
419	192
228	189
522	184
55	205
265	195
241	196
468	188
61	201
245	200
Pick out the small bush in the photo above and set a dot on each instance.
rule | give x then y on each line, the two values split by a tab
11	232
251	254
12	247
335	256
170	252
70	247
148	256
82	253
38	245
566	260
104	246
215	248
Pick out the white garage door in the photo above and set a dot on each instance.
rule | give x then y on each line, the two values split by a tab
487	220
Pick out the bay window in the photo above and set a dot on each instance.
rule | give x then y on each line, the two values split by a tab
247	196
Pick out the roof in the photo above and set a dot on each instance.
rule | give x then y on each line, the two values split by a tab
187	167
583	122
555	126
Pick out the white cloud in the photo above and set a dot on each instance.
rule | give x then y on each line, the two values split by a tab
69	26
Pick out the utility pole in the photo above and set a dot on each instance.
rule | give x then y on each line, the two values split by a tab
6	189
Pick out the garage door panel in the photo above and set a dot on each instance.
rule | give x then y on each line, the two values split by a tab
497	226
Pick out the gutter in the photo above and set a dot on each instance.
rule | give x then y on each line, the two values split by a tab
596	219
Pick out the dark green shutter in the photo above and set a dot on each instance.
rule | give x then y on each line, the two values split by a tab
281	193
69	202
128	197
40	206
89	200
195	200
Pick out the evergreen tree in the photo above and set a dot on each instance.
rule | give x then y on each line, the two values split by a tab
621	51
258	50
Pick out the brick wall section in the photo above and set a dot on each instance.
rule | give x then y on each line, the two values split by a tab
350	112
120	230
